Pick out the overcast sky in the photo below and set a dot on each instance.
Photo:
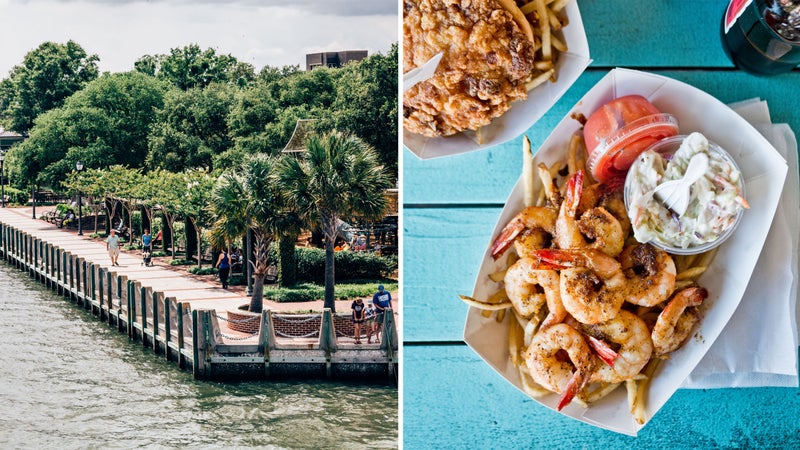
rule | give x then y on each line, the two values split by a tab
260	32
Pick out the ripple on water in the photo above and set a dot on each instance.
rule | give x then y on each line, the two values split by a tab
75	383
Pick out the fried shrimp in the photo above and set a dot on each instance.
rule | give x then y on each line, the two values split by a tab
596	228
591	283
650	273
613	202
602	231
554	373
635	347
676	321
530	218
529	288
531	240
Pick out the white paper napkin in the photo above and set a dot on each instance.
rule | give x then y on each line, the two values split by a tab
758	347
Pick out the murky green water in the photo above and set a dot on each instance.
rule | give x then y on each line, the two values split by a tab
70	381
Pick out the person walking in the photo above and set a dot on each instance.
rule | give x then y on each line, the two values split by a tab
147	240
224	265
112	246
358	318
382	301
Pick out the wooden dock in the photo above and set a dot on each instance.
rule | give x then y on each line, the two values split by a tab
192	323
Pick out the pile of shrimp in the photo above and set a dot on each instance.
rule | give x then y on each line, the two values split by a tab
592	307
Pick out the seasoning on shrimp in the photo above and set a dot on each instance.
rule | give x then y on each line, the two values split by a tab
530	288
676	321
553	373
591	283
596	228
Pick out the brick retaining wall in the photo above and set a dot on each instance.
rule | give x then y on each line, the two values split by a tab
294	325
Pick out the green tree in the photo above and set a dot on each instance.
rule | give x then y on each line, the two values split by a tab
105	123
314	89
366	104
148	64
195	204
191	128
190	67
169	197
87	182
48	75
338	177
115	182
250	198
270	74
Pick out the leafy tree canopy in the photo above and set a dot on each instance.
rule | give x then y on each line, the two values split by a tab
191	67
47	76
191	128
105	123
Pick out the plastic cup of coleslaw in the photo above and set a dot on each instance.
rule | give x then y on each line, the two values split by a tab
717	199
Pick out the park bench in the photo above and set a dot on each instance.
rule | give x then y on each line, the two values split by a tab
49	216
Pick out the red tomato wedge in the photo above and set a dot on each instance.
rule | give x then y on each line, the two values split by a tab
619	131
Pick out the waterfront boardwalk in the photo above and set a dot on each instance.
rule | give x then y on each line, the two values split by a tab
179	292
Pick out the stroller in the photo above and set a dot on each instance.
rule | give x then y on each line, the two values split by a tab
147	260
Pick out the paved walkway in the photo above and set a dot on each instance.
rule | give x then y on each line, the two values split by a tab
198	293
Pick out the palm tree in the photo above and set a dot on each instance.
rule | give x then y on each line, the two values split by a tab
251	199
338	177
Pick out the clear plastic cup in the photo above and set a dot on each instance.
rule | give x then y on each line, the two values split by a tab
668	147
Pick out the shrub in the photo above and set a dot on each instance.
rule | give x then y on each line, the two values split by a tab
181	262
348	265
307	292
17	196
62	209
203	270
237	280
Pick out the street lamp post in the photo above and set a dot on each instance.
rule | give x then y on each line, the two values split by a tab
79	166
2	178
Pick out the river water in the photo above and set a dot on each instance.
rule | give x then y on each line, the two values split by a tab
68	380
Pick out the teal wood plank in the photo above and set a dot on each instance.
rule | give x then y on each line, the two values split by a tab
487	176
442	249
452	399
671	33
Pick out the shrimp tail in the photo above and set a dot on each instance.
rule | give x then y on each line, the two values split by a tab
559	259
575	384
570	391
574	192
606	353
506	238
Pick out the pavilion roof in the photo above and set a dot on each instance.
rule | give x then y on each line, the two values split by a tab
297	143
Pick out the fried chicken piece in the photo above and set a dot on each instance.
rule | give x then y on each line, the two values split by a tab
487	59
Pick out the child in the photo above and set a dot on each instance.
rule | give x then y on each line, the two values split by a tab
358	318
370	317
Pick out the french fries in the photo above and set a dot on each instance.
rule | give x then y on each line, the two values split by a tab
543	17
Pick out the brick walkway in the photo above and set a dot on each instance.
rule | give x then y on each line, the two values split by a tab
198	293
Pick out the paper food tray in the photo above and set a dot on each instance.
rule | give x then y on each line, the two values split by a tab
764	171
523	114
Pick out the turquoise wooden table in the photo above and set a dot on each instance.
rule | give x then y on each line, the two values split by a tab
451	398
